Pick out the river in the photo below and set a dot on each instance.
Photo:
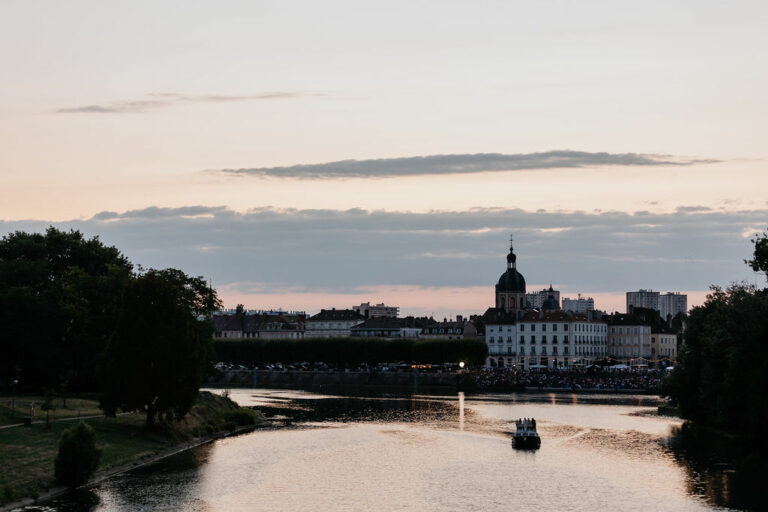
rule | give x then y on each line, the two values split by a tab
428	453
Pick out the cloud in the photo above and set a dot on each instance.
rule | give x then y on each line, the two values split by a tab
460	164
163	100
341	251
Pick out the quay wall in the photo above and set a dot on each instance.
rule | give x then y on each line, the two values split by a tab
328	380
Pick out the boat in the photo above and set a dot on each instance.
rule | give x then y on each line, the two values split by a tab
525	436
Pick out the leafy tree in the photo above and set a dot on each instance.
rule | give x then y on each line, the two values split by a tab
722	371
78	456
156	359
759	262
48	405
59	299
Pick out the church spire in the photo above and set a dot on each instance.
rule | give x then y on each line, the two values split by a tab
511	258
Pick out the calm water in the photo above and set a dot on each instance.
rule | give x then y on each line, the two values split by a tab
599	452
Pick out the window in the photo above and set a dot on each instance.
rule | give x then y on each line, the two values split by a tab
533	338
543	327
522	327
522	339
509	339
491	340
565	339
565	327
554	351
554	327
544	338
533	327
554	338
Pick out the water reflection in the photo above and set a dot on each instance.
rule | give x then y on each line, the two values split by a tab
718	469
421	452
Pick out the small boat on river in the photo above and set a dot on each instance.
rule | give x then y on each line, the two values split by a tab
525	434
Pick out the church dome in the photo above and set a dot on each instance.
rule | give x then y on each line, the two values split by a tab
511	281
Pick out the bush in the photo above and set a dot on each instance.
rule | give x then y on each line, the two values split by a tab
242	417
78	456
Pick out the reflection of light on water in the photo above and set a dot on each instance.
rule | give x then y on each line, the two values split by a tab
574	399
553	398
461	410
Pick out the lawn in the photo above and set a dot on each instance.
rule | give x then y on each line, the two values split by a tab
27	452
63	408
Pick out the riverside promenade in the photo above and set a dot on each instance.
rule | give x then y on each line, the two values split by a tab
416	380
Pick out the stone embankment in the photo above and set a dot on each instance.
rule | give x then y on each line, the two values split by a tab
330	380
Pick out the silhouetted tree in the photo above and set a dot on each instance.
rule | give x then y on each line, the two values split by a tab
759	262
59	299
156	359
722	370
78	455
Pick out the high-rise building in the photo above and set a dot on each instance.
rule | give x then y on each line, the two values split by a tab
672	303
648	299
376	311
538	298
579	304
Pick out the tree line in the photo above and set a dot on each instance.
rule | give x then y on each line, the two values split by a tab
76	315
349	351
720	379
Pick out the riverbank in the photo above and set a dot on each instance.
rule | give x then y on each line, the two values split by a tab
412	381
28	452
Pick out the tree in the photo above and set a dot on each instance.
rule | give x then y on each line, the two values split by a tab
759	262
156	358
48	405
59	299
722	371
78	456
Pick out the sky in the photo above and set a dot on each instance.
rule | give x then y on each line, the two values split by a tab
303	155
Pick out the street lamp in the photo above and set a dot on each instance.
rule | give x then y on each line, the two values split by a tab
461	365
14	383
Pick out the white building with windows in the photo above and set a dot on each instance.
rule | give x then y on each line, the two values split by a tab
331	323
579	304
629	340
672	303
537	299
366	310
648	299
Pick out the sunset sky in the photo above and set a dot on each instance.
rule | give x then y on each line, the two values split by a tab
318	154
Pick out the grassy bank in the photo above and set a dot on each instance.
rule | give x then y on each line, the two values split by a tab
13	410
27	454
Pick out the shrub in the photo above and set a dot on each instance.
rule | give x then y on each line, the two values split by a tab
242	417
78	456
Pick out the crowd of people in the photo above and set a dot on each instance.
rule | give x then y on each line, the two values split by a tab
501	378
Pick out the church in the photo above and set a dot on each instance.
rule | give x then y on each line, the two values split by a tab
519	336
